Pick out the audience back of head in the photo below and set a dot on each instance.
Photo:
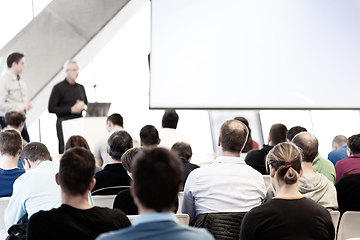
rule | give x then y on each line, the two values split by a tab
233	136
339	141
118	143
76	141
149	136
35	151
128	157
277	133
10	143
249	143
170	119
14	118
293	131
308	143
183	150
353	144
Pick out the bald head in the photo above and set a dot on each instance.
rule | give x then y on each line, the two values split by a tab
233	136
308	143
339	141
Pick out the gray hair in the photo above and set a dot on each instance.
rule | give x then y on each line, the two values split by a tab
67	63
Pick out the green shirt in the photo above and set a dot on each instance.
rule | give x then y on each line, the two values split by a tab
324	166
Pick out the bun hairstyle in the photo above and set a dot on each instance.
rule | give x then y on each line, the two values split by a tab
286	159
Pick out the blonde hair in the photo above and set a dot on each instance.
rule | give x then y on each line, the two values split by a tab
286	159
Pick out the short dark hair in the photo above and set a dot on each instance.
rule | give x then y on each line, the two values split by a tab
354	143
157	175
77	169
35	151
278	133
149	135
116	119
76	141
118	143
10	142
14	118
183	150
249	143
233	136
14	57
293	131
170	119
308	143
127	158
339	140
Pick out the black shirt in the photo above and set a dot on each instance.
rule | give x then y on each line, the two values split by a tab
348	192
288	219
256	159
67	222
188	167
112	175
64	96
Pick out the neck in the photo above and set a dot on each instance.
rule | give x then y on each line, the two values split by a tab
307	168
13	71
112	161
288	191
227	154
13	127
71	82
79	201
8	162
117	127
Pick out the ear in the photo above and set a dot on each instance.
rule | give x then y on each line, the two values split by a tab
189	159
272	171
20	151
92	184
349	152
57	179
219	141
107	150
141	144
51	159
301	172
27	164
132	191
269	139
159	140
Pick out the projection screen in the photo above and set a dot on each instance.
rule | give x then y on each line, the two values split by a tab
255	54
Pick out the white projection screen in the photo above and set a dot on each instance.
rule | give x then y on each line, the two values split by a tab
255	54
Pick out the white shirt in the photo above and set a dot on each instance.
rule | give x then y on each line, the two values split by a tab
33	191
228	184
170	136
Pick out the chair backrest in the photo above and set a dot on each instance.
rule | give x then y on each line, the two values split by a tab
104	200
3	204
184	219
109	190
349	226
180	198
335	216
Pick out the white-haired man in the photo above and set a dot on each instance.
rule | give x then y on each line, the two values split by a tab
67	99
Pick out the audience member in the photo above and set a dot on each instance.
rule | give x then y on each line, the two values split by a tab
149	136
339	149
113	123
36	189
320	164
10	149
228	184
76	218
79	141
168	133
16	120
13	91
348	192
250	143
184	152
289	215
114	173
157	177
351	164
256	158
312	184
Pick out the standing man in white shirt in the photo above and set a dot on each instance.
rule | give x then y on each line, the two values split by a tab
228	184
13	91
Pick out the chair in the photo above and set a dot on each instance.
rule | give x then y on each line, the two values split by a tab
180	199
184	219
335	216
109	190
3	204
349	226
104	200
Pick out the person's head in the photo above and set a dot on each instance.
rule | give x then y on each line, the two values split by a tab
339	141
127	158
284	161
353	144
72	71
76	141
114	120
149	136
293	131
308	143
10	143
170	119
182	150
232	137
118	143
33	154
77	171
249	143
277	134
157	175
16	62
15	119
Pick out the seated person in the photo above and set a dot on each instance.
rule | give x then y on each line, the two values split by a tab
36	189
250	143
184	151
149	136
289	215
16	120
114	173
348	192
10	149
157	177
76	218
339	146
